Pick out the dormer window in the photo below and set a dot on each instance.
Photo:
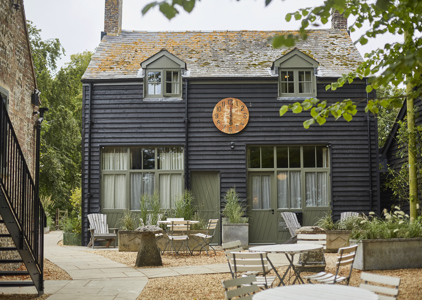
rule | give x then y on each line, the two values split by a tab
163	76
296	75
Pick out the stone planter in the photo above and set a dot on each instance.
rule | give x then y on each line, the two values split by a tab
388	254
129	241
236	231
337	239
72	239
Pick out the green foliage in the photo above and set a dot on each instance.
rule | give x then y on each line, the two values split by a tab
396	224
150	207
184	207
73	223
326	222
233	210
398	175
349	223
61	93
128	221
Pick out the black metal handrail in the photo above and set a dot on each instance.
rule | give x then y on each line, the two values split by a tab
21	193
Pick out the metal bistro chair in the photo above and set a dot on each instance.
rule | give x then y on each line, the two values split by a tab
242	287
178	232
235	246
206	238
388	291
346	257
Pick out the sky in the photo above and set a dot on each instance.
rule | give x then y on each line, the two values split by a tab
78	23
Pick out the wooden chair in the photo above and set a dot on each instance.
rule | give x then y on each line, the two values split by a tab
256	262
242	287
178	232
371	282
206	238
345	258
160	216
235	246
291	221
99	230
348	214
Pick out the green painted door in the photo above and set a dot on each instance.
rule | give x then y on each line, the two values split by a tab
262	207
206	190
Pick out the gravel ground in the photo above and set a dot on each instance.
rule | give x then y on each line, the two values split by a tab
209	286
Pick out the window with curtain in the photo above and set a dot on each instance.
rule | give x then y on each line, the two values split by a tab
163	83
130	172
301	175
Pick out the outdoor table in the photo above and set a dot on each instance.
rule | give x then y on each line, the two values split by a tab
316	292
289	250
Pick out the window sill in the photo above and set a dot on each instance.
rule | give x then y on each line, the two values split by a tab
163	99
294	98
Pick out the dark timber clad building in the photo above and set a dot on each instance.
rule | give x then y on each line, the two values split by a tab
154	119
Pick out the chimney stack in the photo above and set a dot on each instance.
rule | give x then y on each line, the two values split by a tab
338	21
113	17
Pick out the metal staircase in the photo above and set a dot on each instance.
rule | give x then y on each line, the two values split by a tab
21	211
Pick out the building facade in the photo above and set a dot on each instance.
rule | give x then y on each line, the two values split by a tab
167	111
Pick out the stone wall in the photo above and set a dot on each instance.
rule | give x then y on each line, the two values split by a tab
17	76
113	17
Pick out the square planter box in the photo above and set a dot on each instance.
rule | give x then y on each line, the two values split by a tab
337	239
388	254
129	241
72	239
236	231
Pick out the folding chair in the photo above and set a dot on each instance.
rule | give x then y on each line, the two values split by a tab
253	262
206	238
243	287
346	257
229	247
178	232
384	292
292	224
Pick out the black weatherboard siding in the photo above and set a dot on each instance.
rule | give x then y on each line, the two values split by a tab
120	117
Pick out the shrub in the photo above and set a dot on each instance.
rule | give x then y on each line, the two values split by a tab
184	207
128	221
233	210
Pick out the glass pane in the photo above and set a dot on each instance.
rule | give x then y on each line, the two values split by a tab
310	186
322	197
256	192
168	88
165	191
308	76
114	159
154	83
294	157
282	157
291	88
120	191
148	157
320	157
148	183
135	190
267	157
282	190
108	191
136	158
309	156
295	188
254	157
284	87
290	76
168	75
170	158
176	188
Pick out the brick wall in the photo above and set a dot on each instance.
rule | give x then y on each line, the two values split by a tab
113	17
16	77
338	21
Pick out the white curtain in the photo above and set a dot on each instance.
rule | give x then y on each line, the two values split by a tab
108	191
170	189
171	159
114	191
115	159
322	189
282	189
295	188
256	192
316	189
310	186
135	190
266	192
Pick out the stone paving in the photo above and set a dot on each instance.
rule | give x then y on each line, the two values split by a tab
97	277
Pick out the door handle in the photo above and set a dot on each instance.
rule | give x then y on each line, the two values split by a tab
272	211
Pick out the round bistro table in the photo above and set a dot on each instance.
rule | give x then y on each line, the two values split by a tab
316	292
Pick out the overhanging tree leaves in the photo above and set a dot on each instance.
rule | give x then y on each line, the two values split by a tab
395	63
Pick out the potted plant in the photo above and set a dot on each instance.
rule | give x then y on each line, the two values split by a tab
235	226
127	236
393	242
338	233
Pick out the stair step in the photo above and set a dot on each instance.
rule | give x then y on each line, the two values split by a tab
13	273
10	261
16	283
8	248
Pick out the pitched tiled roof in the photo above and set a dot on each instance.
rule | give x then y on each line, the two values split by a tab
220	53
